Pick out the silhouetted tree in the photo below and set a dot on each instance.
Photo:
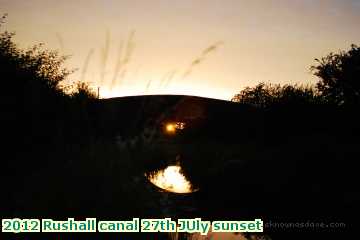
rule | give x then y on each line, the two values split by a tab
38	110
267	95
339	76
35	69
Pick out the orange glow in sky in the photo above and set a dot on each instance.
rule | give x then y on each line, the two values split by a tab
193	47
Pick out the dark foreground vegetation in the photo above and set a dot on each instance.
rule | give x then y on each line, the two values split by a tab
280	153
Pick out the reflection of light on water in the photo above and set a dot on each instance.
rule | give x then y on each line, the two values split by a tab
172	180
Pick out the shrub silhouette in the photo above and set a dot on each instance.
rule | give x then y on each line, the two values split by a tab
37	106
44	126
339	84
339	75
268	95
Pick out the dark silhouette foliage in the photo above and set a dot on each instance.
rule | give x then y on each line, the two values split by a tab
43	125
268	95
310	136
339	75
339	84
33	95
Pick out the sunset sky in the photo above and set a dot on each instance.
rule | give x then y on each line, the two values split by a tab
235	43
